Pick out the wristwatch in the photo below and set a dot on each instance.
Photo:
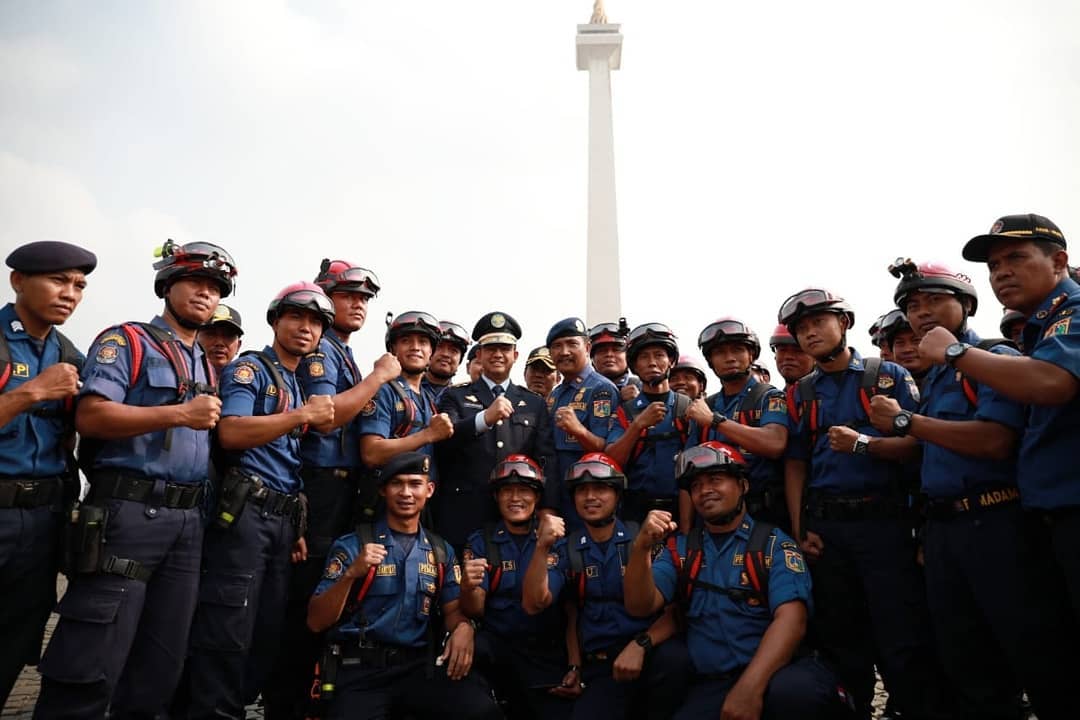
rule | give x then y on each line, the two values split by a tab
718	418
956	351
644	641
901	424
862	445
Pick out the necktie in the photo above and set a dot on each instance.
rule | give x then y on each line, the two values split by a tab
497	390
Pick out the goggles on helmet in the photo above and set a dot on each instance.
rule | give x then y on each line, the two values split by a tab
707	457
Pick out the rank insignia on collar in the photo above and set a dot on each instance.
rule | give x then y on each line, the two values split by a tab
472	398
17	326
1042	314
522	403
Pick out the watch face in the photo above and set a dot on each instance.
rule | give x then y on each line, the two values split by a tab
902	421
954	351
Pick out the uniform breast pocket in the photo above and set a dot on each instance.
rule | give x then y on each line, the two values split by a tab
427	589
161	379
523	422
952	405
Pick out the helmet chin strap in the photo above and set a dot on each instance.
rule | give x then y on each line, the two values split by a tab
653	383
733	376
520	523
601	523
728	516
182	321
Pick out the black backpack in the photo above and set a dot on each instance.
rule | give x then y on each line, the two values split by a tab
750	402
757	570
626	413
577	559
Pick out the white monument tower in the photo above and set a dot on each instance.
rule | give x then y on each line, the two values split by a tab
599	50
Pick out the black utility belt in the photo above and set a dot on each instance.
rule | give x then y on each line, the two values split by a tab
852	507
29	492
379	655
948	508
319	473
239	487
121	486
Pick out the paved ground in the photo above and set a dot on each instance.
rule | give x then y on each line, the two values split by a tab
20	704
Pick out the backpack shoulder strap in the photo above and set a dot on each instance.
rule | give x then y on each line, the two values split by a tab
410	409
573	552
752	401
493	555
868	385
275	377
345	360
442	555
691	566
5	362
679	409
970	389
68	352
632	529
756	568
365	534
626	412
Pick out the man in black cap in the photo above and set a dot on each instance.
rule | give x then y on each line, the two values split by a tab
1029	272
220	340
473	364
540	373
492	418
39	375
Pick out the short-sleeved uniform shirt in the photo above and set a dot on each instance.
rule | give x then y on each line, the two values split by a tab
593	399
179	454
503	611
771	410
330	370
1047	471
724	633
947	474
603	623
388	416
839	404
32	443
247	390
399	603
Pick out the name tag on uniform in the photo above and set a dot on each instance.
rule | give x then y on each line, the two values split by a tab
428	569
386	570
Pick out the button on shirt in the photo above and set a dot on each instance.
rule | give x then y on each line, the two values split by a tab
31	444
948	474
397	607
107	373
1047	467
839	404
247	390
723	633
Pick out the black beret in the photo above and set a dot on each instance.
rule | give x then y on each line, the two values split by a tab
570	327
50	256
407	463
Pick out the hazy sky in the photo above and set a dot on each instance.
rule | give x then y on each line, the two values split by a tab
760	148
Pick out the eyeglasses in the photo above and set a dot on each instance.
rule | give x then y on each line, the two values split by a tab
721	329
650	330
702	457
525	469
800	301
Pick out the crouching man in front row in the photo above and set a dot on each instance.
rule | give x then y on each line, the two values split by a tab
383	589
745	596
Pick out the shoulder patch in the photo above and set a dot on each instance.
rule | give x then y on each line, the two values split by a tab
106	355
794	561
369	409
601	408
316	369
114	337
552	560
336	567
244	374
777	404
1060	327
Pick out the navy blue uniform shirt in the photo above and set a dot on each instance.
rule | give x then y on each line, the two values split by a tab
330	370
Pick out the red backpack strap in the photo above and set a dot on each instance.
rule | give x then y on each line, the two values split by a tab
969	391
402	429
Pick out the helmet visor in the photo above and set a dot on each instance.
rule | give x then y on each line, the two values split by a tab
722	329
702	458
364	280
802	301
